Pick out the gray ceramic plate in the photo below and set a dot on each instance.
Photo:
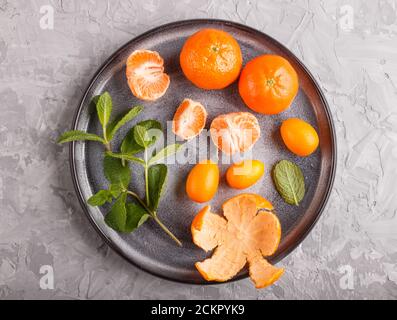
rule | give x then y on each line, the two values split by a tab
149	248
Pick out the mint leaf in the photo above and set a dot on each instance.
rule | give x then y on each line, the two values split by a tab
125	157
77	135
116	173
165	153
126	217
116	189
136	216
289	181
100	198
117	216
141	136
130	145
104	108
153	131
117	124
157	176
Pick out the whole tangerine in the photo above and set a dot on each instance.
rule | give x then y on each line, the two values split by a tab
211	59
268	84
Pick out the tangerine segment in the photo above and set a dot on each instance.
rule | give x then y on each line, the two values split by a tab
235	132
244	236
189	119
145	75
268	84
211	59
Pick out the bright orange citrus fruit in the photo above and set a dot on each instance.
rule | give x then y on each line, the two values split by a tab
235	132
299	136
211	59
145	74
268	84
202	181
189	119
244	174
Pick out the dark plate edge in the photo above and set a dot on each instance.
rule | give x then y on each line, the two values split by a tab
246	28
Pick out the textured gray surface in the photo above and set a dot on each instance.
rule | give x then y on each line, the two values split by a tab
43	74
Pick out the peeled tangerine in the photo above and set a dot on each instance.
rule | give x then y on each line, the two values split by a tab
249	232
235	132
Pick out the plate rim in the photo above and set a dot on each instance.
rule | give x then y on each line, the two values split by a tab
334	152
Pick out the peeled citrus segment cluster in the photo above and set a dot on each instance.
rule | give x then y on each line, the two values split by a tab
247	232
189	119
235	132
145	75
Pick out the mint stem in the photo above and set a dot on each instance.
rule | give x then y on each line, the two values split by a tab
147	180
153	214
166	229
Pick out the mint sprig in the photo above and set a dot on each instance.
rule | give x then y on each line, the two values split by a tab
155	173
126	216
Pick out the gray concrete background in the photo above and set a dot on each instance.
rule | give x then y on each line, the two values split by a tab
44	72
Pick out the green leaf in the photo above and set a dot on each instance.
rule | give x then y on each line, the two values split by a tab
289	181
165	153
104	108
141	136
77	135
116	173
116	189
125	157
117	216
117	124
136	216
157	176
100	198
126	217
130	145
